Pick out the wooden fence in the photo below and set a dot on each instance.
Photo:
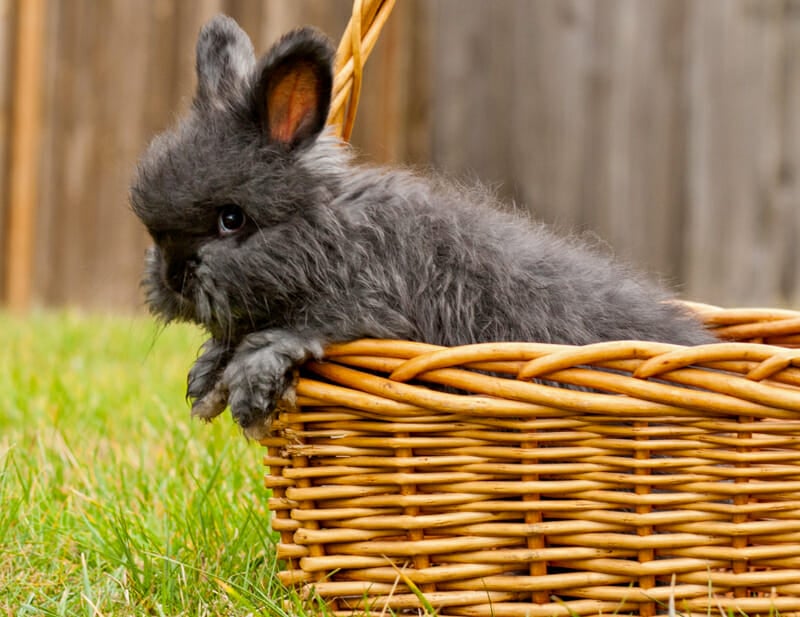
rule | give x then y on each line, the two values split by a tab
669	128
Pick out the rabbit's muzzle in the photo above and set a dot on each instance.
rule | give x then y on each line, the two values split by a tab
178	273
170	284
176	263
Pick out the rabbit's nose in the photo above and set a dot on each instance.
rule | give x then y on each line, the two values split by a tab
179	273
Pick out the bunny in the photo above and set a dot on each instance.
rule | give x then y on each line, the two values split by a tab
269	236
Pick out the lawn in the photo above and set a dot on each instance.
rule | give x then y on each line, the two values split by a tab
113	501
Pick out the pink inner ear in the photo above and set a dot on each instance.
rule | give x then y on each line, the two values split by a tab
292	103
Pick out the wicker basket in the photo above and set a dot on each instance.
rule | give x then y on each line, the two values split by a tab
677	478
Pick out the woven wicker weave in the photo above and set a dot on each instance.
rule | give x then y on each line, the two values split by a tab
679	476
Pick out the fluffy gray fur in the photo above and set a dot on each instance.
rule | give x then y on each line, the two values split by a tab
331	251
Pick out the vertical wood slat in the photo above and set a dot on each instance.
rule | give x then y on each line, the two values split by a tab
735	225
24	159
786	186
6	39
472	93
557	77
640	212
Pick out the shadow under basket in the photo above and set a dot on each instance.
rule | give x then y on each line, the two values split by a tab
464	479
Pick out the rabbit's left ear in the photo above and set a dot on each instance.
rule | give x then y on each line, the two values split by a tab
293	91
224	60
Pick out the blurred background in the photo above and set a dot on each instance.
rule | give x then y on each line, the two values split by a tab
668	128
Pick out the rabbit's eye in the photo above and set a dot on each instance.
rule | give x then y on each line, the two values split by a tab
231	219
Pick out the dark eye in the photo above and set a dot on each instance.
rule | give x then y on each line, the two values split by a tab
231	219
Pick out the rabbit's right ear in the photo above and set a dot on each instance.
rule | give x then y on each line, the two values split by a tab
292	93
225	60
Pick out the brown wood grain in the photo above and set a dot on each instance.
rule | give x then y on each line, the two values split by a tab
6	41
24	152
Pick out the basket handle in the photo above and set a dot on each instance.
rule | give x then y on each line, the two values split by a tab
360	36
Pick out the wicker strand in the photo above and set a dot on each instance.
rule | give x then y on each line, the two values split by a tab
358	40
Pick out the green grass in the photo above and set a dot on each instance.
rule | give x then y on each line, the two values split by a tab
112	500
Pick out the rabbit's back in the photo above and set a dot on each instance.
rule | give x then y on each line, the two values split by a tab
450	267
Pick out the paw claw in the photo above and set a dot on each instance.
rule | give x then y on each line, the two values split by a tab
258	429
212	404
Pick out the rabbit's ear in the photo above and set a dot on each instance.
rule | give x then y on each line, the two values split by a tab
225	60
293	91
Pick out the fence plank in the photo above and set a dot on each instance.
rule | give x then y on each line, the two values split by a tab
640	211
735	140
6	40
787	189
24	159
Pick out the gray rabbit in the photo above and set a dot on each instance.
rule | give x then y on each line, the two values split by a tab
269	236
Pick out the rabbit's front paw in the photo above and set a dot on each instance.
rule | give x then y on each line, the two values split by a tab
261	373
204	386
